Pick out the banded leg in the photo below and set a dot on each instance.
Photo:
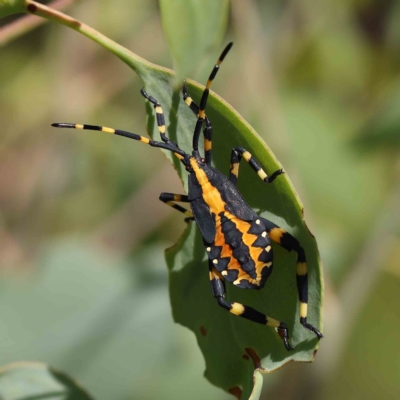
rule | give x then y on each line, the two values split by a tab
207	131
170	199
218	291
167	146
288	242
159	115
236	156
204	97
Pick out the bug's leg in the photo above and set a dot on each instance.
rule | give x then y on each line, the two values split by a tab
170	199
218	291
159	114
188	100
234	167
236	156
288	242
207	131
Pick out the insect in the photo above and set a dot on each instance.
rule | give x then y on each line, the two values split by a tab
236	239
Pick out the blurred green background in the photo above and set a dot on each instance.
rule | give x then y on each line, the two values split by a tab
82	233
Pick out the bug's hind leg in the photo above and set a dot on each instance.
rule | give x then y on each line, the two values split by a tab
170	199
218	290
207	131
288	242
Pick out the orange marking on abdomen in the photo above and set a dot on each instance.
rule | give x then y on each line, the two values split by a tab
220	241
248	240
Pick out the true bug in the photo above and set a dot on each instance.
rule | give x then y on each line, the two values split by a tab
237	240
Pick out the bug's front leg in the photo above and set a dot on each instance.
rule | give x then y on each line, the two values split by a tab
218	290
159	115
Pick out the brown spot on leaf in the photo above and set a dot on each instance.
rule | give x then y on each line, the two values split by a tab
256	359
245	356
203	331
32	8
315	353
236	391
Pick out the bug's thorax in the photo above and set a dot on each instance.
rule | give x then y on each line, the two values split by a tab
210	193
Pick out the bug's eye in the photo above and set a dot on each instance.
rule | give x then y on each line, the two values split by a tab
202	160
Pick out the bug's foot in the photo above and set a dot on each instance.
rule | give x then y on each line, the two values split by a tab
312	329
284	334
151	99
271	178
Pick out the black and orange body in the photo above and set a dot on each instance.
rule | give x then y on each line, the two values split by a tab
236	239
237	242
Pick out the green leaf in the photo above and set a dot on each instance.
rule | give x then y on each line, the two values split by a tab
9	7
31	381
193	28
232	347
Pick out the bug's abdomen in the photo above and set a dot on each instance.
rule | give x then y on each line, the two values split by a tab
241	251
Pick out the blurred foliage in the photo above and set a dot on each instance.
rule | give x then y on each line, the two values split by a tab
40	381
193	28
82	231
9	7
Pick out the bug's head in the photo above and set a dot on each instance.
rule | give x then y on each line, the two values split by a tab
195	161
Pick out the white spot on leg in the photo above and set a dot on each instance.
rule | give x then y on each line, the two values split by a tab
208	249
215	261
264	234
258	222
